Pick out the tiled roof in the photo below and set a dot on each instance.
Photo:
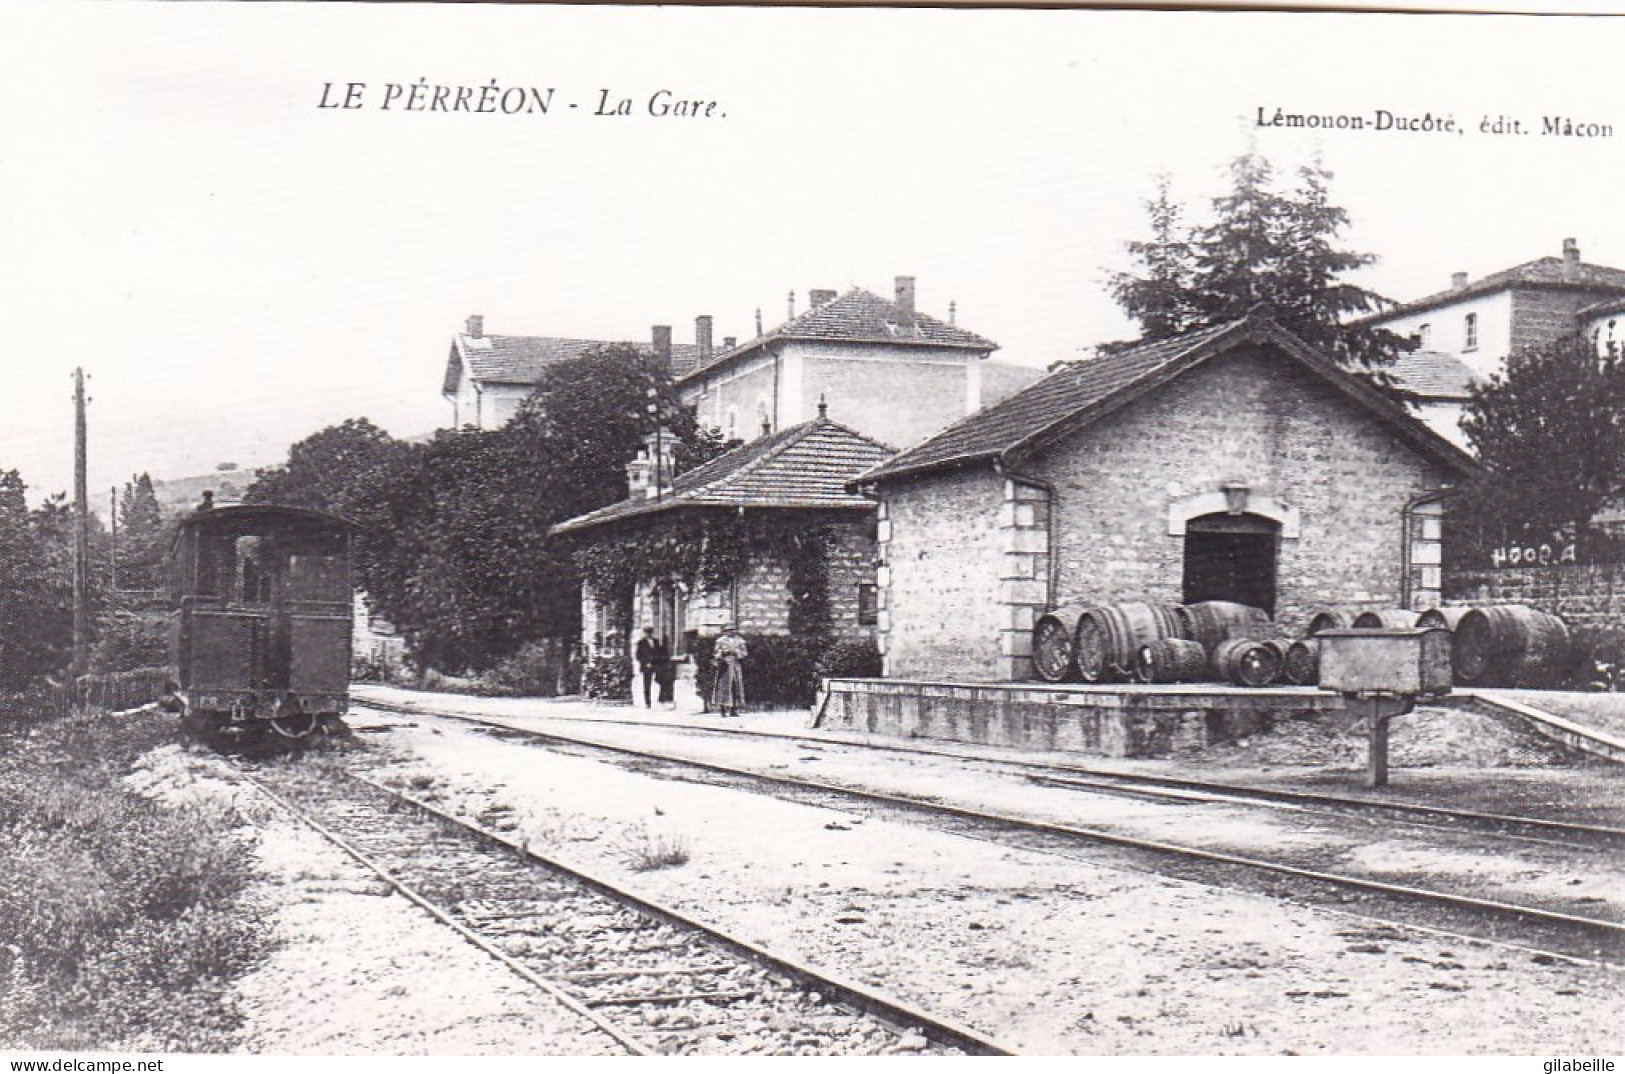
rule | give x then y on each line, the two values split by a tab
521	359
1432	375
1543	272
806	465
1080	392
860	316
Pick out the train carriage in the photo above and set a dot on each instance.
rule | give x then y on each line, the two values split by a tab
261	621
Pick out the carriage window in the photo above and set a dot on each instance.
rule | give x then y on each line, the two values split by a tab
315	577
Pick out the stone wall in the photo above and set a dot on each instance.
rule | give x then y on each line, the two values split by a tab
942	557
1141	722
1588	595
1541	316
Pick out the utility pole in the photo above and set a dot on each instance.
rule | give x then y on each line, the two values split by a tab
81	533
112	551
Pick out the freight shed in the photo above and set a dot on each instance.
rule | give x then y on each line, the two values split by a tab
1234	463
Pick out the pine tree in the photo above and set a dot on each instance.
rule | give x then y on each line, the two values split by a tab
142	536
1260	246
1160	300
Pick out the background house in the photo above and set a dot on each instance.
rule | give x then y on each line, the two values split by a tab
1466	332
1232	463
864	355
488	377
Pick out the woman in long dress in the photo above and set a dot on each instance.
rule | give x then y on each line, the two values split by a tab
728	687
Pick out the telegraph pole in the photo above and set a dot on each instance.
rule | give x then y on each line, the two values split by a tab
81	533
112	551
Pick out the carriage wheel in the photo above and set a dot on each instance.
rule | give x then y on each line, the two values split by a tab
298	725
1052	650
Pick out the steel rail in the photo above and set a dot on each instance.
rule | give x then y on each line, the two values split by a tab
615	1033
859	999
1430	816
1611	931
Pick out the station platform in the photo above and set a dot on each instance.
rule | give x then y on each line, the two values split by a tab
1443	757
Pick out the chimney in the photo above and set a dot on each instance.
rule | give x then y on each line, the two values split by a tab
730	342
476	325
662	347
792	306
640	475
905	294
648	475
1458	281
702	336
819	296
1571	251
953	312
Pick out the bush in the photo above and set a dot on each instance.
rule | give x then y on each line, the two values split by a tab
608	678
851	658
126	641
538	669
122	918
1599	659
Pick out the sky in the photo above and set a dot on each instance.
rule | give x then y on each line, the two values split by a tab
236	266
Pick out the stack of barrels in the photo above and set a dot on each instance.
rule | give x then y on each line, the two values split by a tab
1154	642
1504	644
1501	645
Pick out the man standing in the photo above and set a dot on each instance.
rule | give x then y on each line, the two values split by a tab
650	656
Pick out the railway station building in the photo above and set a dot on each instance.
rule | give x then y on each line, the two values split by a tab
729	541
1232	463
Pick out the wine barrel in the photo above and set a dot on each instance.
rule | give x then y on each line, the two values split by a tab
1336	618
1052	643
1110	635
1509	645
1215	621
1246	662
1171	660
1386	619
1302	663
1441	618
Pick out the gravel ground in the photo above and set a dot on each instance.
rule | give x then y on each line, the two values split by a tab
356	968
1052	955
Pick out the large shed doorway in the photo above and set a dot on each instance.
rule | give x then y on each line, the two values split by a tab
1231	557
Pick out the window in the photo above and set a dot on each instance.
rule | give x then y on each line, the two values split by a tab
1470	333
733	423
1423	332
868	604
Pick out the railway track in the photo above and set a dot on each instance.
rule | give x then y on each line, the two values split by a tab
652	978
1138	784
1541	930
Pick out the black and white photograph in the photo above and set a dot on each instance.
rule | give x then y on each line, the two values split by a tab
632	530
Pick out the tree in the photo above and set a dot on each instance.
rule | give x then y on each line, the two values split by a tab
329	470
1550	431
36	585
143	539
1262	245
456	550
